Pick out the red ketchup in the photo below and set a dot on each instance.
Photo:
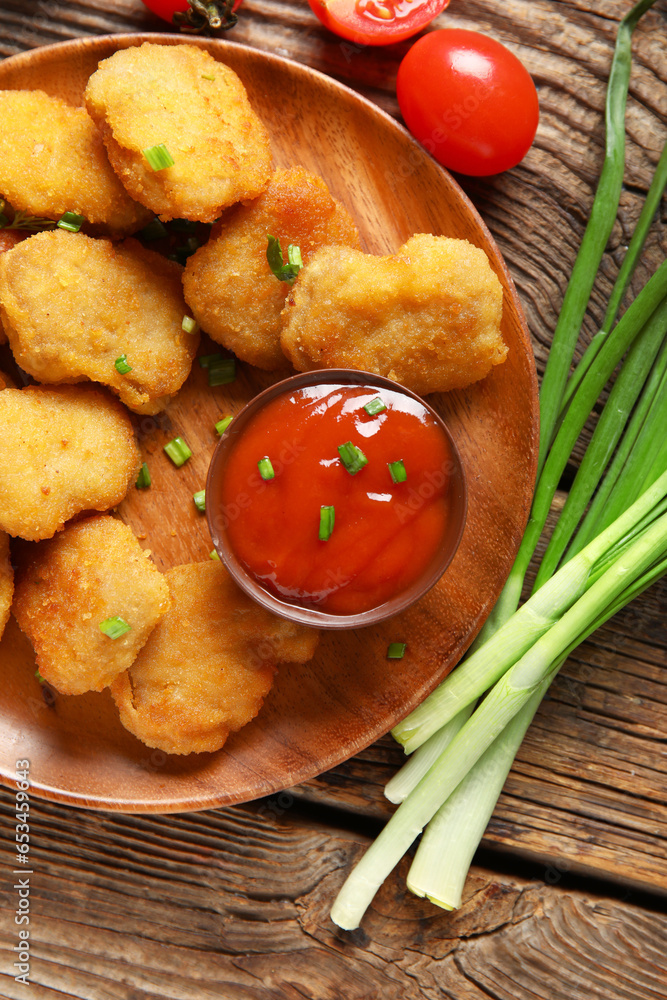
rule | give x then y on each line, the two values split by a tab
384	534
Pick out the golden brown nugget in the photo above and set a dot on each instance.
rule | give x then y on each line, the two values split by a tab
93	571
180	97
6	382
72	306
228	283
53	160
208	664
6	581
428	317
65	450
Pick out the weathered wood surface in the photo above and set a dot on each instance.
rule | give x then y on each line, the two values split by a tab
234	903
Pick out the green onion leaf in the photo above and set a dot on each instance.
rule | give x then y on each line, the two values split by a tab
352	457
214	555
144	478
114	627
206	360
374	406
189	325
397	471
222	372
178	451
396	650
155	230
159	157
327	516
222	425
266	468
206	76
122	366
71	222
39	677
200	500
283	271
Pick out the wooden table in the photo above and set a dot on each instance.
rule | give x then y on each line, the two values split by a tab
567	898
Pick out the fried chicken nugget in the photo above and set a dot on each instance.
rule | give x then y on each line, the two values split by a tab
53	160
428	317
228	283
72	306
95	570
6	581
180	97
65	450
208	665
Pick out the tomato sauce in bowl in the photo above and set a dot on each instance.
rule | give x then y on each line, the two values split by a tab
336	498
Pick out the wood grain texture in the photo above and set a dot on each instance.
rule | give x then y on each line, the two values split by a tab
234	903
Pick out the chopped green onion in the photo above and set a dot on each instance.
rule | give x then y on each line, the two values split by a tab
200	500
397	471
352	457
327	515
396	650
206	76
206	360
39	677
266	468
214	555
71	222
222	372
189	325
114	627
374	406
178	451
155	230
222	425
274	255
159	157
122	367
144	477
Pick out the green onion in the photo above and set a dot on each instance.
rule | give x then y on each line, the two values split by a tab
352	457
222	372
274	255
71	222
374	406
200	500
222	425
266	468
327	515
114	627
155	230
397	471
144	477
189	325
39	677
121	365
206	360
207	76
178	451
214	555
396	650
158	157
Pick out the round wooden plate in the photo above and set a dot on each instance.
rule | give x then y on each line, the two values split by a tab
318	714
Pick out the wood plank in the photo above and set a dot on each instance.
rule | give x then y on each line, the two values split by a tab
235	902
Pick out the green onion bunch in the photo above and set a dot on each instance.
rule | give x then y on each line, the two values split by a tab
609	544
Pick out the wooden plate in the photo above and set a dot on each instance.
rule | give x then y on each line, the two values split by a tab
319	714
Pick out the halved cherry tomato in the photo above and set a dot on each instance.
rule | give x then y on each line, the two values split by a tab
376	22
167	8
469	101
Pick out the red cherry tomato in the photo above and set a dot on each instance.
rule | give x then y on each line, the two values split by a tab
469	101
167	8
376	22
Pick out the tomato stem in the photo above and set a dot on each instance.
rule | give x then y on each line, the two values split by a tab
204	16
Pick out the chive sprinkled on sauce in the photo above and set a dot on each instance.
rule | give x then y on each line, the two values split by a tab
122	366
178	451
374	406
71	222
200	500
352	457
327	516
222	425
159	157
114	627
396	650
266	468
397	471
144	477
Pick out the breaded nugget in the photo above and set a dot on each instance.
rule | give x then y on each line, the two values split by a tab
208	664
95	570
72	306
6	581
8	239
53	160
6	382
428	317
228	283
180	97
64	450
